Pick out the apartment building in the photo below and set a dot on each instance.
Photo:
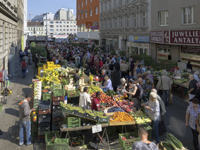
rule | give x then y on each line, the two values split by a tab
125	25
63	22
36	29
88	21
175	31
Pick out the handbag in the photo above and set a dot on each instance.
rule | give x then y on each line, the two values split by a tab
162	128
26	70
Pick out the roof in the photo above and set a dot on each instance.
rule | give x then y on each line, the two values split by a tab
34	23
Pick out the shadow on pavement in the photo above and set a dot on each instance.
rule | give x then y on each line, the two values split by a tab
12	111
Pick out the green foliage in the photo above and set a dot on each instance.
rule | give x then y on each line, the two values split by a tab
64	81
122	53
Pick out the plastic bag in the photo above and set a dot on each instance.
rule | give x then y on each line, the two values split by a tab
26	70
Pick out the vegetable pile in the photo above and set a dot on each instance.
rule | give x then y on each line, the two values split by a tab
115	109
93	89
110	92
121	117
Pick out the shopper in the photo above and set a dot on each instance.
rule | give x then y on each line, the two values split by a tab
108	84
192	87
23	68
122	88
164	85
154	113
129	77
189	66
76	78
196	76
26	59
103	74
123	69
144	144
190	119
24	121
108	72
84	100
96	102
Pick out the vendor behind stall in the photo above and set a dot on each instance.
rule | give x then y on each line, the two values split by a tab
76	78
85	100
96	102
177	72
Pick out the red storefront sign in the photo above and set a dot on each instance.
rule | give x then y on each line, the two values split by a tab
156	36
185	37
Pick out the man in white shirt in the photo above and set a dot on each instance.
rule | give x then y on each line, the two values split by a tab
84	100
196	76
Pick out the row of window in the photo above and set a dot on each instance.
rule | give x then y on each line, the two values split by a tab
52	30
86	1
52	26
36	28
187	16
113	23
37	32
62	33
52	22
111	4
96	12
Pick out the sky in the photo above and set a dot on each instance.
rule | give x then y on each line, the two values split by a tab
37	7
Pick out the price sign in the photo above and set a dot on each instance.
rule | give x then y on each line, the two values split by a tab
97	128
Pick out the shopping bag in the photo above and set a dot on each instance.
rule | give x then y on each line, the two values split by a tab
162	128
26	70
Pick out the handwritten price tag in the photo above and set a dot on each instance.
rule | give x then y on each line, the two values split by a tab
97	128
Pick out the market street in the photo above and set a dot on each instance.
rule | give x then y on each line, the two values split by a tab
174	118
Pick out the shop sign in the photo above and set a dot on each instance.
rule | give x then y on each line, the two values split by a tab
94	27
156	36
141	45
139	39
88	24
185	37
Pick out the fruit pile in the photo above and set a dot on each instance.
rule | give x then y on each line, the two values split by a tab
121	117
94	89
111	92
104	98
126	106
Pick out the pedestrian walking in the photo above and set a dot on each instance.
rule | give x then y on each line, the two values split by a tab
24	121
23	68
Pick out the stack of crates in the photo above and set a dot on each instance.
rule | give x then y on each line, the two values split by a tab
72	122
57	115
58	90
44	119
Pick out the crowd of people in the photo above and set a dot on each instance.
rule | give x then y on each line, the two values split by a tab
127	77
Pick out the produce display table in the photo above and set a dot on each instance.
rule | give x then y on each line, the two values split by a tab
183	88
87	128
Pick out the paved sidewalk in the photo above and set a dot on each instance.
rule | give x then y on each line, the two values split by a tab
9	115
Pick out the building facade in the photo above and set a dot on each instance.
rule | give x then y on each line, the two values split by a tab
63	22
176	30
36	29
88	21
125	25
11	32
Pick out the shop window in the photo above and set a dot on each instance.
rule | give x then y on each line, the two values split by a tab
187	15
163	18
163	51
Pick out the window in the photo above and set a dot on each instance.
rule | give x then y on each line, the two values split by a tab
90	12
41	32
110	23
81	16
85	2
115	23
60	29
51	22
115	3
78	18
63	29
86	15
105	6
90	1
57	26
60	22
135	20
75	22
121	22
82	4
70	22
51	26
74	29
51	30
70	29
127	21
127	1
188	15
60	26
63	21
96	10
78	6
56	29
67	26
163	18
110	4
70	25
120	2
74	26
67	29
63	25
143	19
67	22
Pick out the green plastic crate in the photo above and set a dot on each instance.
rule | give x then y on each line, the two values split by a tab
73	93
58	144
46	96
58	90
129	142
72	122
